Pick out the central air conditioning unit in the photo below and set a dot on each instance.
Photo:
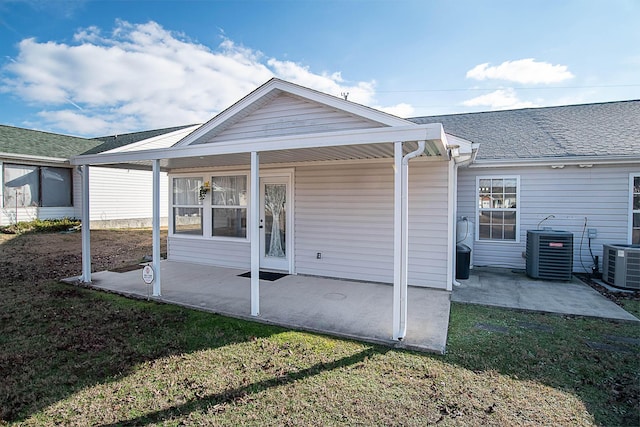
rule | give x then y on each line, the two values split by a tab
549	254
621	265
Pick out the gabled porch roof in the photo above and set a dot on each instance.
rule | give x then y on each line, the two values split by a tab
292	139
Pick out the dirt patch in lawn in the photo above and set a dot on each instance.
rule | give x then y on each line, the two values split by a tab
36	257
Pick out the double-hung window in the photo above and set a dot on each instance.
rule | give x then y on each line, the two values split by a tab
187	206
229	206
635	209
497	201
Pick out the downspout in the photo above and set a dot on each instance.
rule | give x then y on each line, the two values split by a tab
404	252
454	235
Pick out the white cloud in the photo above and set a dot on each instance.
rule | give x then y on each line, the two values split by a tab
525	71
502	99
143	76
400	110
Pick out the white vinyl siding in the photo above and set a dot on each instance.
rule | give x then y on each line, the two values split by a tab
223	253
288	115
121	197
599	193
346	213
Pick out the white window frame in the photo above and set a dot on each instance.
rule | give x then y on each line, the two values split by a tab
516	210
172	206
632	176
207	206
210	206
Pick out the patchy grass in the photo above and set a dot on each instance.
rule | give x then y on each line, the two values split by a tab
73	356
41	226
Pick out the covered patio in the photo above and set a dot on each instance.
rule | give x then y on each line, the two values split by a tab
309	142
349	309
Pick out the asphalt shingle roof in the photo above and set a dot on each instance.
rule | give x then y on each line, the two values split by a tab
116	141
605	129
36	143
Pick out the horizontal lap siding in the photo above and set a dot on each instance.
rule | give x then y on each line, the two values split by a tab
117	194
212	252
600	193
346	213
287	115
428	224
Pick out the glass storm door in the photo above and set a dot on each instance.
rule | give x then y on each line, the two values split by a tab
274	227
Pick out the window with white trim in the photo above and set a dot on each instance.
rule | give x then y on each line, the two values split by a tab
497	201
187	206
229	206
635	209
28	185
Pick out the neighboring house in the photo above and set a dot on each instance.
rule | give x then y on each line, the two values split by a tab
37	179
571	168
39	182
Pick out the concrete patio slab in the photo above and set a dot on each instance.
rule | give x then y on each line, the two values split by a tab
513	289
357	310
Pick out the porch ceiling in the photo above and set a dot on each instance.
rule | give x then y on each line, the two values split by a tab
348	152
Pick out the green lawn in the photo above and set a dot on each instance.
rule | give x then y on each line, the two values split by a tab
72	356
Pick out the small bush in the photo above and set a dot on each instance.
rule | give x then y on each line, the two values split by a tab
41	226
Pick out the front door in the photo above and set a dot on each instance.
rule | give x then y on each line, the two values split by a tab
275	234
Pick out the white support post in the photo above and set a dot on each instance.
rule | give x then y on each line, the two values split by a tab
397	241
157	283
254	223
86	220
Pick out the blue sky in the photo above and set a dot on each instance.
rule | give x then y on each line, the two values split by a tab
92	68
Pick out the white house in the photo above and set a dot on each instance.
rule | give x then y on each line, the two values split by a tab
38	180
295	180
574	168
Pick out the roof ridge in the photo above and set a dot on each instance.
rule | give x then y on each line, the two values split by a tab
528	109
46	132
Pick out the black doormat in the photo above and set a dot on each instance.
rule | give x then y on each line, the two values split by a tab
265	275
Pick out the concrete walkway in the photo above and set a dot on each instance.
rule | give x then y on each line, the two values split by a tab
513	289
349	309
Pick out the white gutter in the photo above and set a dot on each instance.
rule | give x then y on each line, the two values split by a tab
33	158
584	161
402	252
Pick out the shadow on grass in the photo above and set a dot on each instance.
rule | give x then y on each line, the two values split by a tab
240	393
595	359
57	339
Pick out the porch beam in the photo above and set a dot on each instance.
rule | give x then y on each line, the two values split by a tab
86	227
254	223
157	283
